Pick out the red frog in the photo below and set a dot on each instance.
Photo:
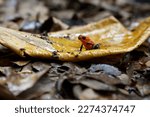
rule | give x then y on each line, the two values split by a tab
88	43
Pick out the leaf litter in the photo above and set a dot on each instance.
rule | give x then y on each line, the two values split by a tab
119	76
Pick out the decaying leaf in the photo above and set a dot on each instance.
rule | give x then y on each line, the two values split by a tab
18	83
110	70
43	86
65	46
88	94
97	85
21	62
5	93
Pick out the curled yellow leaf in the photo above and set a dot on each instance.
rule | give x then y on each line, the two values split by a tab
113	37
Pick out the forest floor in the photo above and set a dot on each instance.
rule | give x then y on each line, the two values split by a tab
127	77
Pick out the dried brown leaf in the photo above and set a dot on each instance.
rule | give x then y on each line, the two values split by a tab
18	83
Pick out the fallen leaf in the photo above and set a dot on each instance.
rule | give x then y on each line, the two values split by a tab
21	62
97	85
88	94
5	70
18	83
6	94
147	63
110	70
65	46
43	85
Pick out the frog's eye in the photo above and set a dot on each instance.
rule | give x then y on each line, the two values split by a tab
96	46
81	37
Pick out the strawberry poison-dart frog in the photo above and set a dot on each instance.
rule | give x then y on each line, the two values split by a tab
87	43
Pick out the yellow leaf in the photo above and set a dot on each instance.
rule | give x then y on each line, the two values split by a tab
113	37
